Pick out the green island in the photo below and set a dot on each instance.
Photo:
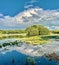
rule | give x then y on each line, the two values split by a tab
35	34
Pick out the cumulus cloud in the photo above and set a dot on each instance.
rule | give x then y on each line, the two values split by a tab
8	22
48	18
39	16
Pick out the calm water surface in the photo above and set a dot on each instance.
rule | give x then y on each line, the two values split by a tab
19	54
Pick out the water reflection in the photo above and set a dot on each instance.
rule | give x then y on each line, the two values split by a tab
17	58
18	54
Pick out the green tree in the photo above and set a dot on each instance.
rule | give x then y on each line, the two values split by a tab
37	30
43	30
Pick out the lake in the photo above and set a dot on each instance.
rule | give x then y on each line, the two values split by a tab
16	55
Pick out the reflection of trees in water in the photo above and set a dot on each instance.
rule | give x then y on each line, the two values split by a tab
17	43
5	64
52	56
13	61
28	61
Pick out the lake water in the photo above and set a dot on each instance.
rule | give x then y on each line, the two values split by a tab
19	53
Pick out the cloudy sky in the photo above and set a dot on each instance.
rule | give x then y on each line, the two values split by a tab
18	14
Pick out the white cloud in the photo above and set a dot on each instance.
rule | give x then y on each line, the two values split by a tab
49	18
33	1
39	16
8	22
28	6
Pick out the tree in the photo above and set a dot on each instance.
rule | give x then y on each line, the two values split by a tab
43	30
37	30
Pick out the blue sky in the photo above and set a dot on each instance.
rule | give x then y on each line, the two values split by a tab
13	7
10	11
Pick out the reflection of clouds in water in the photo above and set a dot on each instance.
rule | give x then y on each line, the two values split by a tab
37	50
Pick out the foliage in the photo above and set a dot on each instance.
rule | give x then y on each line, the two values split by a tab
37	30
55	31
32	31
12	31
43	30
50	37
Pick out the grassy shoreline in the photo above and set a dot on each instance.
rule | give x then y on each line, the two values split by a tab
41	39
34	40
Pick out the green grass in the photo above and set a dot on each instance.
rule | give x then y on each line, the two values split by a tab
50	37
41	39
34	40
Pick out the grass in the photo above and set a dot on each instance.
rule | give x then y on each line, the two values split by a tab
34	40
41	39
50	37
